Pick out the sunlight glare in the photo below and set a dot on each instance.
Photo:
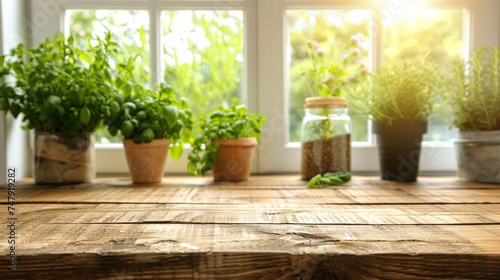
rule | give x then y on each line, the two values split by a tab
430	14
406	8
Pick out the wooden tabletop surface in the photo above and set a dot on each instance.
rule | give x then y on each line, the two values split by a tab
270	227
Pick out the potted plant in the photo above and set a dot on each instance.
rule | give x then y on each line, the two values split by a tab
473	97
226	143
399	98
150	122
326	126
63	93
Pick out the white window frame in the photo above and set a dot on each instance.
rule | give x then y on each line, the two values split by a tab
281	157
264	69
110	158
14	151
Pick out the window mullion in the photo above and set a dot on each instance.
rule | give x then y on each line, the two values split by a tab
155	46
378	37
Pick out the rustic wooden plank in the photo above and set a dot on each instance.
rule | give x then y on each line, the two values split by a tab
271	227
177	251
269	213
271	182
35	239
201	194
255	266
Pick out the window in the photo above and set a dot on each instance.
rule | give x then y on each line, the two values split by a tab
129	28
199	47
203	55
254	49
378	26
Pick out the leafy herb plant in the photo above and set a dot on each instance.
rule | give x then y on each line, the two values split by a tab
401	91
473	93
330	79
330	178
146	115
59	87
223	123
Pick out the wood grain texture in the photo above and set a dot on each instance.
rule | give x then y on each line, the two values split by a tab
243	193
267	266
269	213
274	238
270	227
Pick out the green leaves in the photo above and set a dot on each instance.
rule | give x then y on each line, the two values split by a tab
85	115
114	108
233	122
404	90
330	178
61	87
223	123
238	127
15	109
171	114
473	91
217	114
145	115
127	128
147	135
176	151
53	104
328	78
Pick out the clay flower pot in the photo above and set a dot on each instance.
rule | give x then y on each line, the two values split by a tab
233	159
146	161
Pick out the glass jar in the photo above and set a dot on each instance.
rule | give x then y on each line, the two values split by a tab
60	159
326	137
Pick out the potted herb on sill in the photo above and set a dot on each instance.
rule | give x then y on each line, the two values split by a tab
150	122
399	98
473	96
226	143
64	94
326	126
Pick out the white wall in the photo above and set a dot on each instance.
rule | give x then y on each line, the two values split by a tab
486	17
2	118
14	151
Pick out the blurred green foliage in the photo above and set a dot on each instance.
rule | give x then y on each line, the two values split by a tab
205	61
128	29
407	34
336	36
440	33
203	51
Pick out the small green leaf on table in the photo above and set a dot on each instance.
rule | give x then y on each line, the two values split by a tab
329	179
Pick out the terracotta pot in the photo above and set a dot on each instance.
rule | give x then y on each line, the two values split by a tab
399	149
233	159
146	161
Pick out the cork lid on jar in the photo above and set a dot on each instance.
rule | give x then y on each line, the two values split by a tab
326	101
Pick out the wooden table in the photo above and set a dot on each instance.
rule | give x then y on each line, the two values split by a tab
270	227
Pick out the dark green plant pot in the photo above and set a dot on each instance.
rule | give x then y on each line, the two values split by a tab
399	149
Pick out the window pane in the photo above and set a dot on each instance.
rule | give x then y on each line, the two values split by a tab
203	56
345	38
130	29
438	32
